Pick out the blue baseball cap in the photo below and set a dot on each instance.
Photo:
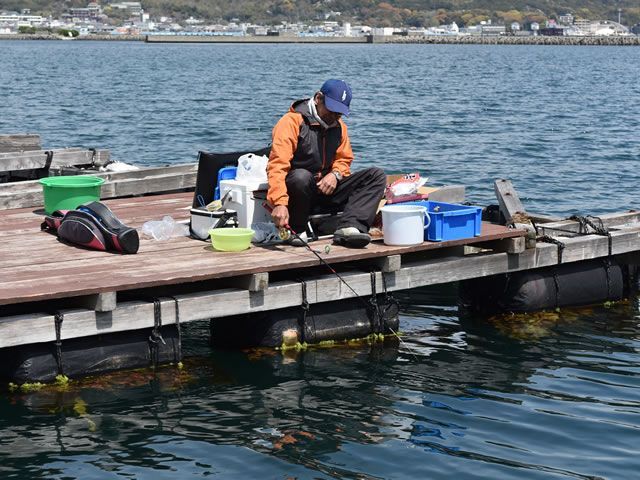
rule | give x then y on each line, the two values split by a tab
337	96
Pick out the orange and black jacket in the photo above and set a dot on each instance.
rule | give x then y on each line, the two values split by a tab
300	142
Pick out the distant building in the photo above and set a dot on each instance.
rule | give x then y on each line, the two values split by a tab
515	27
566	19
552	32
135	8
15	20
491	30
604	28
92	11
383	31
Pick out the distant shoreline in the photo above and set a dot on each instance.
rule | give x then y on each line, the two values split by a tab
393	39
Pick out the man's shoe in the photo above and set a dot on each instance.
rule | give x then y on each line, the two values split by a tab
299	240
351	237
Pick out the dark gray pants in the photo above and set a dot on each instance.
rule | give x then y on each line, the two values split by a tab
357	196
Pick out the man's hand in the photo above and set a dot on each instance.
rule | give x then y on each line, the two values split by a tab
280	215
327	184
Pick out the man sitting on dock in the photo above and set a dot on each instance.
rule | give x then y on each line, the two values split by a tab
309	166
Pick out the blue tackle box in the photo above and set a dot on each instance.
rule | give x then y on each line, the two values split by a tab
225	173
450	221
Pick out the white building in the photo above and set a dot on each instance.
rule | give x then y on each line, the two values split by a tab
566	19
383	31
15	20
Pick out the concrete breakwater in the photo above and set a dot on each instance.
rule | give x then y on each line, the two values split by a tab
51	36
512	40
388	39
400	39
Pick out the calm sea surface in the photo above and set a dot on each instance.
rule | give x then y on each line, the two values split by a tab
543	396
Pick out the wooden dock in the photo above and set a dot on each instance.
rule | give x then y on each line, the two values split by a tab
36	269
100	292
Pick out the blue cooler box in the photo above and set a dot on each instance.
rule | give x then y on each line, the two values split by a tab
450	221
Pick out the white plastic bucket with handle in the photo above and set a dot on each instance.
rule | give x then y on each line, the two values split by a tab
404	224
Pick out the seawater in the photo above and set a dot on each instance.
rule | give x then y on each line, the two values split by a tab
552	395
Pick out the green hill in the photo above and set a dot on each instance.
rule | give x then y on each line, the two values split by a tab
416	13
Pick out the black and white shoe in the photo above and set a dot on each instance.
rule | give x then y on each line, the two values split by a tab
351	237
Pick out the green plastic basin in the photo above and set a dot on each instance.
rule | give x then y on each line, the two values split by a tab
67	192
231	239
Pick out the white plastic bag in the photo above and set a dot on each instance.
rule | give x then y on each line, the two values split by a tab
252	168
164	229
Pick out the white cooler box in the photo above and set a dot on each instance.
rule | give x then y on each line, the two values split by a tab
246	199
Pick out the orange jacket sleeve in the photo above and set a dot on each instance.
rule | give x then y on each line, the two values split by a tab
284	144
344	154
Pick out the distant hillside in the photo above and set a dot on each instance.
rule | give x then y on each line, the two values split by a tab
417	13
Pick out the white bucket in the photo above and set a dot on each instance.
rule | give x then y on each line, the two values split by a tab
202	221
404	224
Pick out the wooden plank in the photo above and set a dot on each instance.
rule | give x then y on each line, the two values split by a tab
609	221
255	282
100	302
179	177
510	205
193	261
392	263
448	194
35	159
507	245
539	218
19	142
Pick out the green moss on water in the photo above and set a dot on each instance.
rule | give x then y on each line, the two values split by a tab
372	338
297	346
31	387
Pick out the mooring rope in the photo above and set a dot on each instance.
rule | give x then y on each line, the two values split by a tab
178	349
556	282
307	332
584	221
555	241
58	319
156	336
607	268
373	307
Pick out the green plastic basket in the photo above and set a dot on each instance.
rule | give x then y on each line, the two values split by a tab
67	192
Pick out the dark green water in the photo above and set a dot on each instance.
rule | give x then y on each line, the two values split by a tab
543	396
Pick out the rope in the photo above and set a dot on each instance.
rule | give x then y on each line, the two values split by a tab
373	307
599	229
389	300
607	268
307	332
556	282
178	350
155	337
48	161
548	239
58	319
